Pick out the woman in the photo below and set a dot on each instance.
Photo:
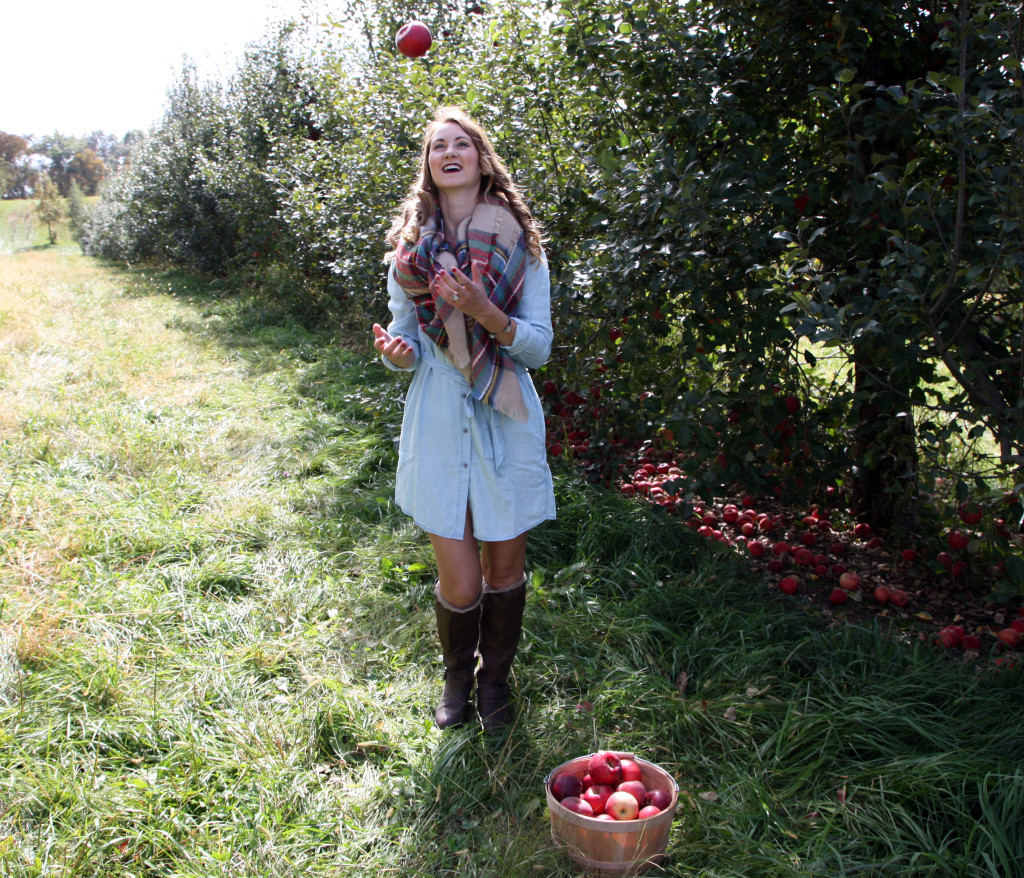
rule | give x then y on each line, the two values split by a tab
469	298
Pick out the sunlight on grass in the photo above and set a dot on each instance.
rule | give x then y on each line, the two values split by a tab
217	647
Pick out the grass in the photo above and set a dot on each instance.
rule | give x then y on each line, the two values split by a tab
217	654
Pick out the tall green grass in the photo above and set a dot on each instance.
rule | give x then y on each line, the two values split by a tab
217	654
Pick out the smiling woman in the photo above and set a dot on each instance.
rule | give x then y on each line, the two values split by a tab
470	305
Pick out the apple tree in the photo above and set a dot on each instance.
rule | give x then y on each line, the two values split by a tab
819	202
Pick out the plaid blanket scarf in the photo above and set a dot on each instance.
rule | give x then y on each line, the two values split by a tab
493	240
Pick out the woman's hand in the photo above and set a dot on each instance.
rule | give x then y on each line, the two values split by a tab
466	294
394	347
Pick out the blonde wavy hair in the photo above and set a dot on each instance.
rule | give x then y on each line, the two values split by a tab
421	203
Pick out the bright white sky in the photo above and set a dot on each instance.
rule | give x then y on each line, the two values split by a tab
76	67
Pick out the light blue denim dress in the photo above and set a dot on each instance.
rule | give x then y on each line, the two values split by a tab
455	452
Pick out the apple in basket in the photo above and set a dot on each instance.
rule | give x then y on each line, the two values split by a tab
578	806
658	798
566	785
605	767
622	806
596	795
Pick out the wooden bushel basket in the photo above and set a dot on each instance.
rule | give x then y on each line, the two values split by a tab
624	847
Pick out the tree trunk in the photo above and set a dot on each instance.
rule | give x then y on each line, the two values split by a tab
885	471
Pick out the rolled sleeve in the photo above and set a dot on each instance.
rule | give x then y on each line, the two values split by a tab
532	344
403	323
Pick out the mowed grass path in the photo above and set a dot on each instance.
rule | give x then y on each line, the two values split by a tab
217	654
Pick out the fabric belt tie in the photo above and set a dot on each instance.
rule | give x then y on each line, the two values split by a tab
486	416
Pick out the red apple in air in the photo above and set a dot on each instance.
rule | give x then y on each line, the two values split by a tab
605	767
596	795
577	805
622	806
659	798
413	39
631	770
566	785
635	788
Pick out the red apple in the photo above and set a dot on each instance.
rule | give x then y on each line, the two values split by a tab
945	559
597	795
648	811
957	540
635	788
413	39
1018	624
658	798
789	584
882	594
631	771
776	565
756	548
970	641
862	531
909	555
899	597
622	806
1010	636
566	785
949	638
605	767
781	548
849	580
837	597
577	805
603	816
970	513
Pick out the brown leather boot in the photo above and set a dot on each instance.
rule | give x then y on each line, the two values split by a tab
459	632
501	624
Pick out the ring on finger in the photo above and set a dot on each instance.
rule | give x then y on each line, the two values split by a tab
455	296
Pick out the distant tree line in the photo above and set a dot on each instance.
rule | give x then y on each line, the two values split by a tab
64	159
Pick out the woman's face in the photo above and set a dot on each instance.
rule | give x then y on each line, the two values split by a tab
453	159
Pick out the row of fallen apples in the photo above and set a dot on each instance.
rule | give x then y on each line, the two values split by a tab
754	528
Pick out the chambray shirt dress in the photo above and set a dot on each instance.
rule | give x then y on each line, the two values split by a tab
455	452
